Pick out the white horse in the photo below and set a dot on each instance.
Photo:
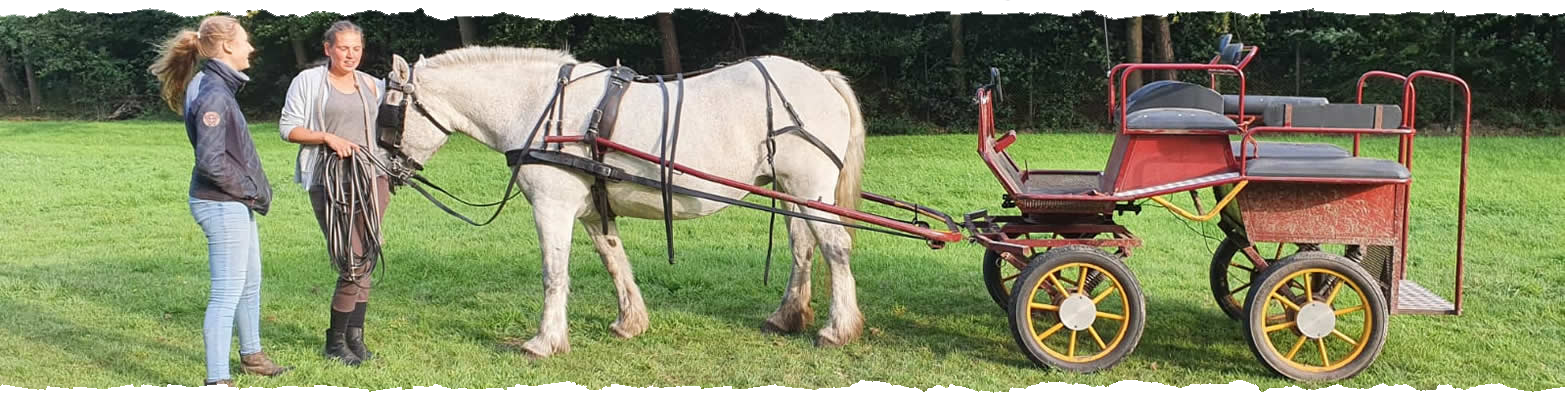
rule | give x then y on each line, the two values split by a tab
496	96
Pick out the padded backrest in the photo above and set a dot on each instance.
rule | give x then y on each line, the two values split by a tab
1257	104
1174	94
1367	116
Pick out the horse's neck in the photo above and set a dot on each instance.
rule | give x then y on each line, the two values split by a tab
523	101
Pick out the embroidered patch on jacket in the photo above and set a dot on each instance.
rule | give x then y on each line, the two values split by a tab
210	118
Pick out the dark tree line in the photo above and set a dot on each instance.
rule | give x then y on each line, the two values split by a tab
914	73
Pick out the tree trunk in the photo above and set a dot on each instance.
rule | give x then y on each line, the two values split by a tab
1133	51
956	48
301	56
1165	44
956	39
1558	38
1298	69
469	32
13	91
737	39
670	43
35	97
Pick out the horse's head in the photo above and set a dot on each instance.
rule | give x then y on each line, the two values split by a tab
410	129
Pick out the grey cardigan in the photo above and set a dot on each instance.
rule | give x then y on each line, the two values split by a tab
306	102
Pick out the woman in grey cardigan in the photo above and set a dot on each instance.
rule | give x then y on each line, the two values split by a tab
332	108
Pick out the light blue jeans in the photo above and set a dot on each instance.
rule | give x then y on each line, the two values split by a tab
234	259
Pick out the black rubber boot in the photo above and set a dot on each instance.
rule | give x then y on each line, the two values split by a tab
336	340
355	332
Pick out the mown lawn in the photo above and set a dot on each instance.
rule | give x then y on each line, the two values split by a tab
103	279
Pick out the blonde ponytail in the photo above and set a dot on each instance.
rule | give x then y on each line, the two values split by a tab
175	66
179	55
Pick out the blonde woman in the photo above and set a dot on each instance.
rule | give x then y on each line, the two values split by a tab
200	71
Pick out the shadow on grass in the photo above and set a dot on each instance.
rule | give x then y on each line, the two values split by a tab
121	354
106	345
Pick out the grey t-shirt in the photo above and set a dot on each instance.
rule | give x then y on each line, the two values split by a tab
345	118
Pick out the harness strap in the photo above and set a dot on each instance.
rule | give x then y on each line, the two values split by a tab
607	113
667	143
616	174
558	111
798	126
602	124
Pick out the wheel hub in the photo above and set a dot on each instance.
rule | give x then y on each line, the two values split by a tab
1316	320
1078	312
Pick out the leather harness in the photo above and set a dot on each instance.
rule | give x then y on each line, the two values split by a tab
601	124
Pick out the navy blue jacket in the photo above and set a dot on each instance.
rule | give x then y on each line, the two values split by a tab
227	166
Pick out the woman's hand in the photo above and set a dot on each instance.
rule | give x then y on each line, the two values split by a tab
343	147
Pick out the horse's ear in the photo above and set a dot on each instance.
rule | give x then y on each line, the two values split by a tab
399	69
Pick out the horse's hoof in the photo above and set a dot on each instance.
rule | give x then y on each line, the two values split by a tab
769	326
831	338
827	340
538	348
788	322
627	330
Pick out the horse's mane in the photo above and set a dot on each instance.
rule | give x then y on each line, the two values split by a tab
482	55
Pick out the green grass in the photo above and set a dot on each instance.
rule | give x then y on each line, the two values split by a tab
103	279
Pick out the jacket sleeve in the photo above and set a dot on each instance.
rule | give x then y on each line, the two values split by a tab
295	111
213	123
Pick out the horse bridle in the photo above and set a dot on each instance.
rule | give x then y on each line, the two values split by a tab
390	120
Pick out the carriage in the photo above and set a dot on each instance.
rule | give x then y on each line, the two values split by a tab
1318	313
1071	304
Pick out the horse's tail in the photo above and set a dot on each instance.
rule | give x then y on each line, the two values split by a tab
848	180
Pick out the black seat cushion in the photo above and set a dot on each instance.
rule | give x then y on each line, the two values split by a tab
1292	150
1257	104
1060	184
1174	94
1179	118
1337	167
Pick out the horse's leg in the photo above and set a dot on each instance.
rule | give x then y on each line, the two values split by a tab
836	247
632	311
794	314
557	200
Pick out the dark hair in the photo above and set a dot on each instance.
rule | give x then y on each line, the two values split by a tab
339	27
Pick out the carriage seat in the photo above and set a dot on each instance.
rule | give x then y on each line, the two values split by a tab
1176	105
1263	149
1170	104
1334	167
1317	160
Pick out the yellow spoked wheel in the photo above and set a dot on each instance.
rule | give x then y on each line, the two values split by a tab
1316	316
1077	308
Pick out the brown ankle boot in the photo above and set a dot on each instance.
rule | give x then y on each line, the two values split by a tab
259	364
